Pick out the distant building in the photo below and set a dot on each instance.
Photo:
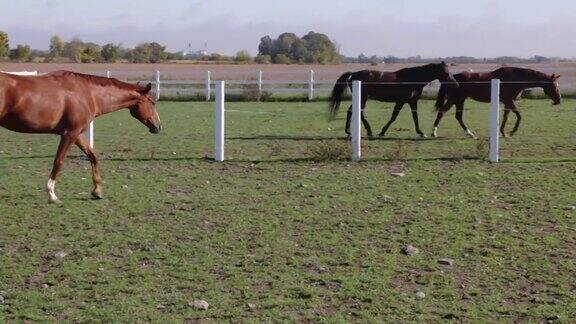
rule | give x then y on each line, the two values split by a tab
189	53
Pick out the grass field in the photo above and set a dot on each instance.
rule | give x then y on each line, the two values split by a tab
276	233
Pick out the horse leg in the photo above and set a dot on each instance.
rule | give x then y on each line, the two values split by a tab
518	119
66	142
507	108
364	120
395	113
439	117
348	119
414	108
82	143
504	121
459	115
366	124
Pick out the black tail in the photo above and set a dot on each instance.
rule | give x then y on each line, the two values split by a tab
442	96
337	92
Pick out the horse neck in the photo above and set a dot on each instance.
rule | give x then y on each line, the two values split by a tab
114	98
532	81
423	73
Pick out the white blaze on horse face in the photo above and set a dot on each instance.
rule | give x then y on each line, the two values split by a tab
50	189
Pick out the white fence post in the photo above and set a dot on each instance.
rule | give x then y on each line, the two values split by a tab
219	126
208	81
90	131
311	86
90	134
495	121
259	84
356	126
157	85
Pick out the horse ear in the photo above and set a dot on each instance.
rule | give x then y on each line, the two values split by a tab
146	89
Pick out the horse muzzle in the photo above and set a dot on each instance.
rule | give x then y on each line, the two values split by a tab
153	128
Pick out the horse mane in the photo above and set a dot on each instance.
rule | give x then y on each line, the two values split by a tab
529	74
99	80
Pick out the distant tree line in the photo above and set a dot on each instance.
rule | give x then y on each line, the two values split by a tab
289	49
452	59
83	52
86	52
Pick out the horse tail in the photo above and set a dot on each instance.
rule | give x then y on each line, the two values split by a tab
442	96
337	92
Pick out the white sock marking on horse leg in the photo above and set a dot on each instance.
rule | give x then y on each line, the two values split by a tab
435	132
469	133
50	189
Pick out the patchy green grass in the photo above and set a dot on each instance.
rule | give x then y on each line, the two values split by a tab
301	240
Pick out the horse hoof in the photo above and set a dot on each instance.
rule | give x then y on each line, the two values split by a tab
55	201
97	194
423	136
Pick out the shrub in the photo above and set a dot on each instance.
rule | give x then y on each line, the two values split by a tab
282	59
329	150
263	59
243	57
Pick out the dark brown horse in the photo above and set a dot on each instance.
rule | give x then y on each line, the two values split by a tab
402	87
477	86
64	103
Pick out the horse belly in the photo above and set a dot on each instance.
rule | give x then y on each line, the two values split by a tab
478	93
31	119
390	94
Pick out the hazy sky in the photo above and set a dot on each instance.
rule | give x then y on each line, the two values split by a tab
481	28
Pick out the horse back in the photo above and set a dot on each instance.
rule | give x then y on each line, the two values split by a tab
40	104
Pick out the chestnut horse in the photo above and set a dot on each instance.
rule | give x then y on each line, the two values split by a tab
402	87
477	86
64	103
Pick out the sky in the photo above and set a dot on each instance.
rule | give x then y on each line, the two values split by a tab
429	28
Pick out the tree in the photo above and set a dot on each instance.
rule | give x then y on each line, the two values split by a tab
57	46
111	53
148	53
266	46
299	51
141	53
21	53
321	49
91	53
74	50
4	45
243	57
157	53
289	48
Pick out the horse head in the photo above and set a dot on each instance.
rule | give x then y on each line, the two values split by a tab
443	74
551	89
145	110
